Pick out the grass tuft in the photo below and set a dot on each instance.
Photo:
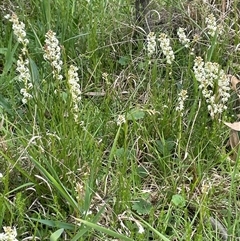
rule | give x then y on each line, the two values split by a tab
117	129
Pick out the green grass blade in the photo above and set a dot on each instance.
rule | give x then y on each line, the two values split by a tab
152	229
24	186
55	224
104	230
9	58
56	235
85	229
57	184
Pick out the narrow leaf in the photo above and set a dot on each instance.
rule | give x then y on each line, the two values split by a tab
85	228
55	224
161	236
104	230
56	235
9	58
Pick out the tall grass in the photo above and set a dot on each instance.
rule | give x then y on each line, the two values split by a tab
132	166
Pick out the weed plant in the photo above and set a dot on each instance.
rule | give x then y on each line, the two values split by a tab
111	132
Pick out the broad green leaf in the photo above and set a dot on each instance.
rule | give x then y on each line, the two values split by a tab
178	201
165	146
141	206
119	152
135	114
124	60
6	106
142	172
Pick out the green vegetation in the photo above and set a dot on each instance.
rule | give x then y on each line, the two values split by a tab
142	153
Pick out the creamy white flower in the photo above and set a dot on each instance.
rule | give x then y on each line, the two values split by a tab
181	99
209	75
183	38
25	78
121	120
212	26
151	43
7	16
9	234
75	90
52	53
26	96
22	62
166	48
18	29
206	186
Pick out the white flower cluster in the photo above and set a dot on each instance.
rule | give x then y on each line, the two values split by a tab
211	77
212	26
79	189
183	38
74	90
121	120
18	29
52	53
206	187
22	62
151	43
166	48
182	96
24	77
9	234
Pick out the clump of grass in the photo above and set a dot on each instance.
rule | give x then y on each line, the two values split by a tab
100	140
